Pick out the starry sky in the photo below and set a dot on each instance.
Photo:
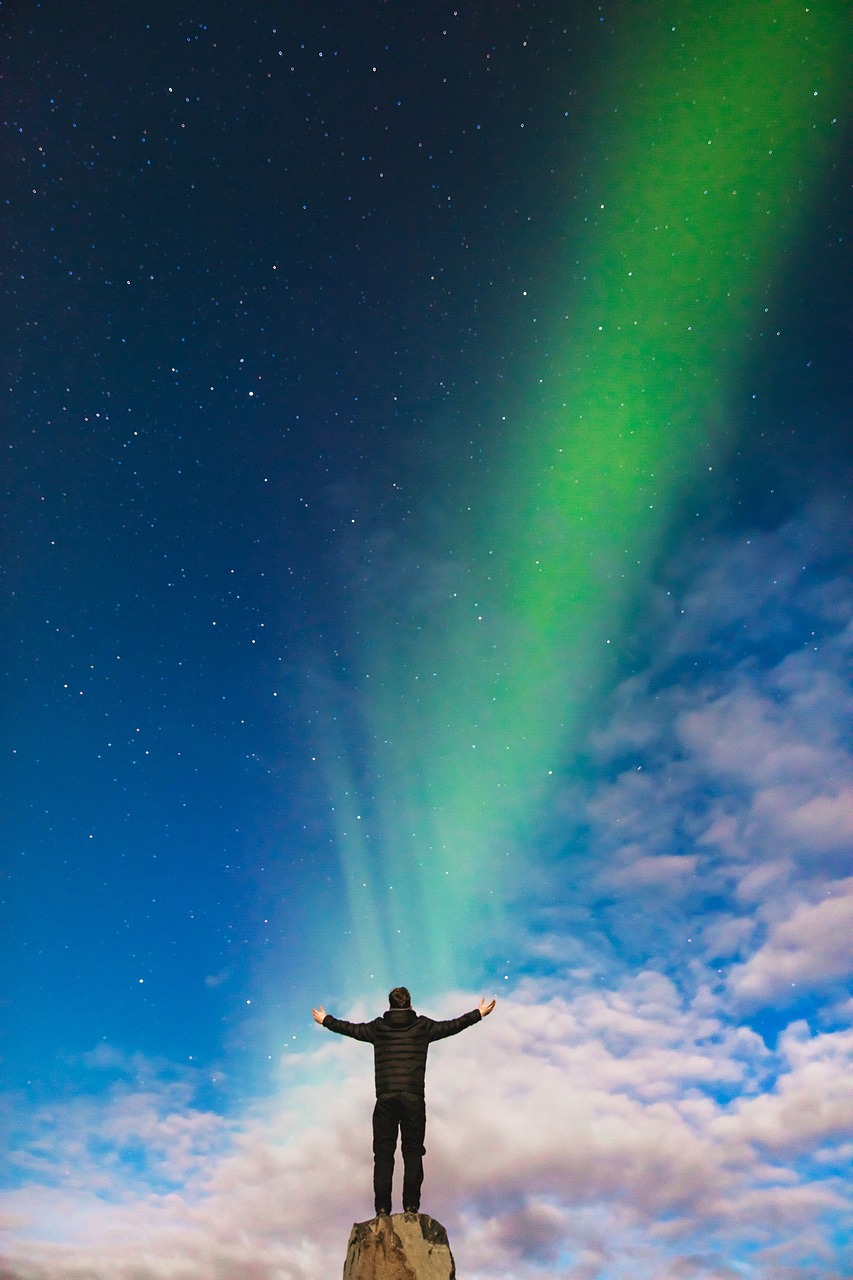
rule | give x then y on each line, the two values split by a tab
426	560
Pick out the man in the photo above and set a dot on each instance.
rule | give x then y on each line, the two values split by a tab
400	1040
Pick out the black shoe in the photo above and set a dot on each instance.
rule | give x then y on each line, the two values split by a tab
383	1213
411	1209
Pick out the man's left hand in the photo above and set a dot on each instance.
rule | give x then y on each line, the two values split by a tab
486	1006
319	1014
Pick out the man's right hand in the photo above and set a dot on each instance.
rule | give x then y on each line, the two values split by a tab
486	1006
319	1014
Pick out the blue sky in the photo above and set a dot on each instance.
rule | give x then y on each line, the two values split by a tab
281	289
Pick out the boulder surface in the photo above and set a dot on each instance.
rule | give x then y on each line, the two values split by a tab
401	1246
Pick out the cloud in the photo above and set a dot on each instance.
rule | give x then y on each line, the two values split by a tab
721	787
641	872
556	1115
618	1114
810	1108
810	949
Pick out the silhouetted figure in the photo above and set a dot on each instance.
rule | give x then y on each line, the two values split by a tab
400	1040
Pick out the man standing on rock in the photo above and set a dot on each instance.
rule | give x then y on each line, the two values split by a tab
400	1040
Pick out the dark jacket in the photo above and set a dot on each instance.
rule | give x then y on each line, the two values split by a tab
400	1040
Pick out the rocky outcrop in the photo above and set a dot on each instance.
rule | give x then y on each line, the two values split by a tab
402	1246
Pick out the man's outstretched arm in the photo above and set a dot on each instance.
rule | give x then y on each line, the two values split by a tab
452	1027
355	1030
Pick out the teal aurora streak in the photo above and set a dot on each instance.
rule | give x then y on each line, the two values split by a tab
725	125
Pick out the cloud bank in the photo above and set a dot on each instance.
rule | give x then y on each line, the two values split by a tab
621	1132
663	1094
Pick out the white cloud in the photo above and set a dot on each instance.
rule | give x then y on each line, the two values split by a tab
552	1109
726	802
812	948
618	1117
664	871
810	1107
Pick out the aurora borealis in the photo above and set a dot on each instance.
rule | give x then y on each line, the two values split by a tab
640	346
427	560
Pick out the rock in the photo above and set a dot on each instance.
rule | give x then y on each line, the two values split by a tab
404	1246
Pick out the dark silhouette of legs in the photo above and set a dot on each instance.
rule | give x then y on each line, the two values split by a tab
405	1112
412	1131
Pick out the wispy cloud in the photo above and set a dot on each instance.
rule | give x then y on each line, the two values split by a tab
810	949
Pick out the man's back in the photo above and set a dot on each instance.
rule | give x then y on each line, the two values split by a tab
400	1040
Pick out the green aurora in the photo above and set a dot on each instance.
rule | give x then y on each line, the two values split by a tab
714	130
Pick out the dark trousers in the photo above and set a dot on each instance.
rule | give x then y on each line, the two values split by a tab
406	1111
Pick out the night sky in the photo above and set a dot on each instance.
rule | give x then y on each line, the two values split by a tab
426	560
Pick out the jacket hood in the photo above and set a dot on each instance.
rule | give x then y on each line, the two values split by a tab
399	1019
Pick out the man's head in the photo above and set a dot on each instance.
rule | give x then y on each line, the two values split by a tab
399	998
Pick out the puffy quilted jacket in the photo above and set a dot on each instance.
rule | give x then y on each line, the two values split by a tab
400	1040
